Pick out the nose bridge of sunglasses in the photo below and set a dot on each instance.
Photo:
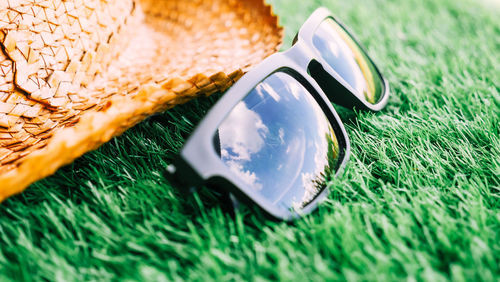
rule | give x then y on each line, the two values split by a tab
305	56
301	54
307	59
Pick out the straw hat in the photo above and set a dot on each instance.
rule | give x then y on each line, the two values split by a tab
75	73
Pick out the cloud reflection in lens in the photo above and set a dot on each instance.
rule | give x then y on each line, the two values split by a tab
344	55
279	142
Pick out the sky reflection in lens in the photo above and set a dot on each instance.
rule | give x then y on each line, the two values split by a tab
340	51
280	143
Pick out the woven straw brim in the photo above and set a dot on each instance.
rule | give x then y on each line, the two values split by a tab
76	73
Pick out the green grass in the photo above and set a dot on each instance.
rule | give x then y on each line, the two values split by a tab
420	198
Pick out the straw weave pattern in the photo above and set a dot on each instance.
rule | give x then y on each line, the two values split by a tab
75	73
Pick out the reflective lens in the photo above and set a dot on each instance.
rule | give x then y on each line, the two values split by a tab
279	142
344	55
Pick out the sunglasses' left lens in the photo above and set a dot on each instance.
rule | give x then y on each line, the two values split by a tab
345	56
279	141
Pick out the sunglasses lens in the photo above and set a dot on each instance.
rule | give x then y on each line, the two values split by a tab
346	57
279	142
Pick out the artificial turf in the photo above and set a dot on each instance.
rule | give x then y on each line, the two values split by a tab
420	198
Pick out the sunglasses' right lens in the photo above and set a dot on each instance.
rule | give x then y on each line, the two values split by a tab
279	141
346	57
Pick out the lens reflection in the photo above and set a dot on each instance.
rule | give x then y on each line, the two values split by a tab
279	142
342	53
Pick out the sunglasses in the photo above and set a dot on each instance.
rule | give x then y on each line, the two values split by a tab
274	138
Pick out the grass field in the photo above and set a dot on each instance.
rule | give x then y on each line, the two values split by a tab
419	200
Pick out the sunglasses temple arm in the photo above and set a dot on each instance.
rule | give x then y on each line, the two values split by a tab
174	174
182	175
